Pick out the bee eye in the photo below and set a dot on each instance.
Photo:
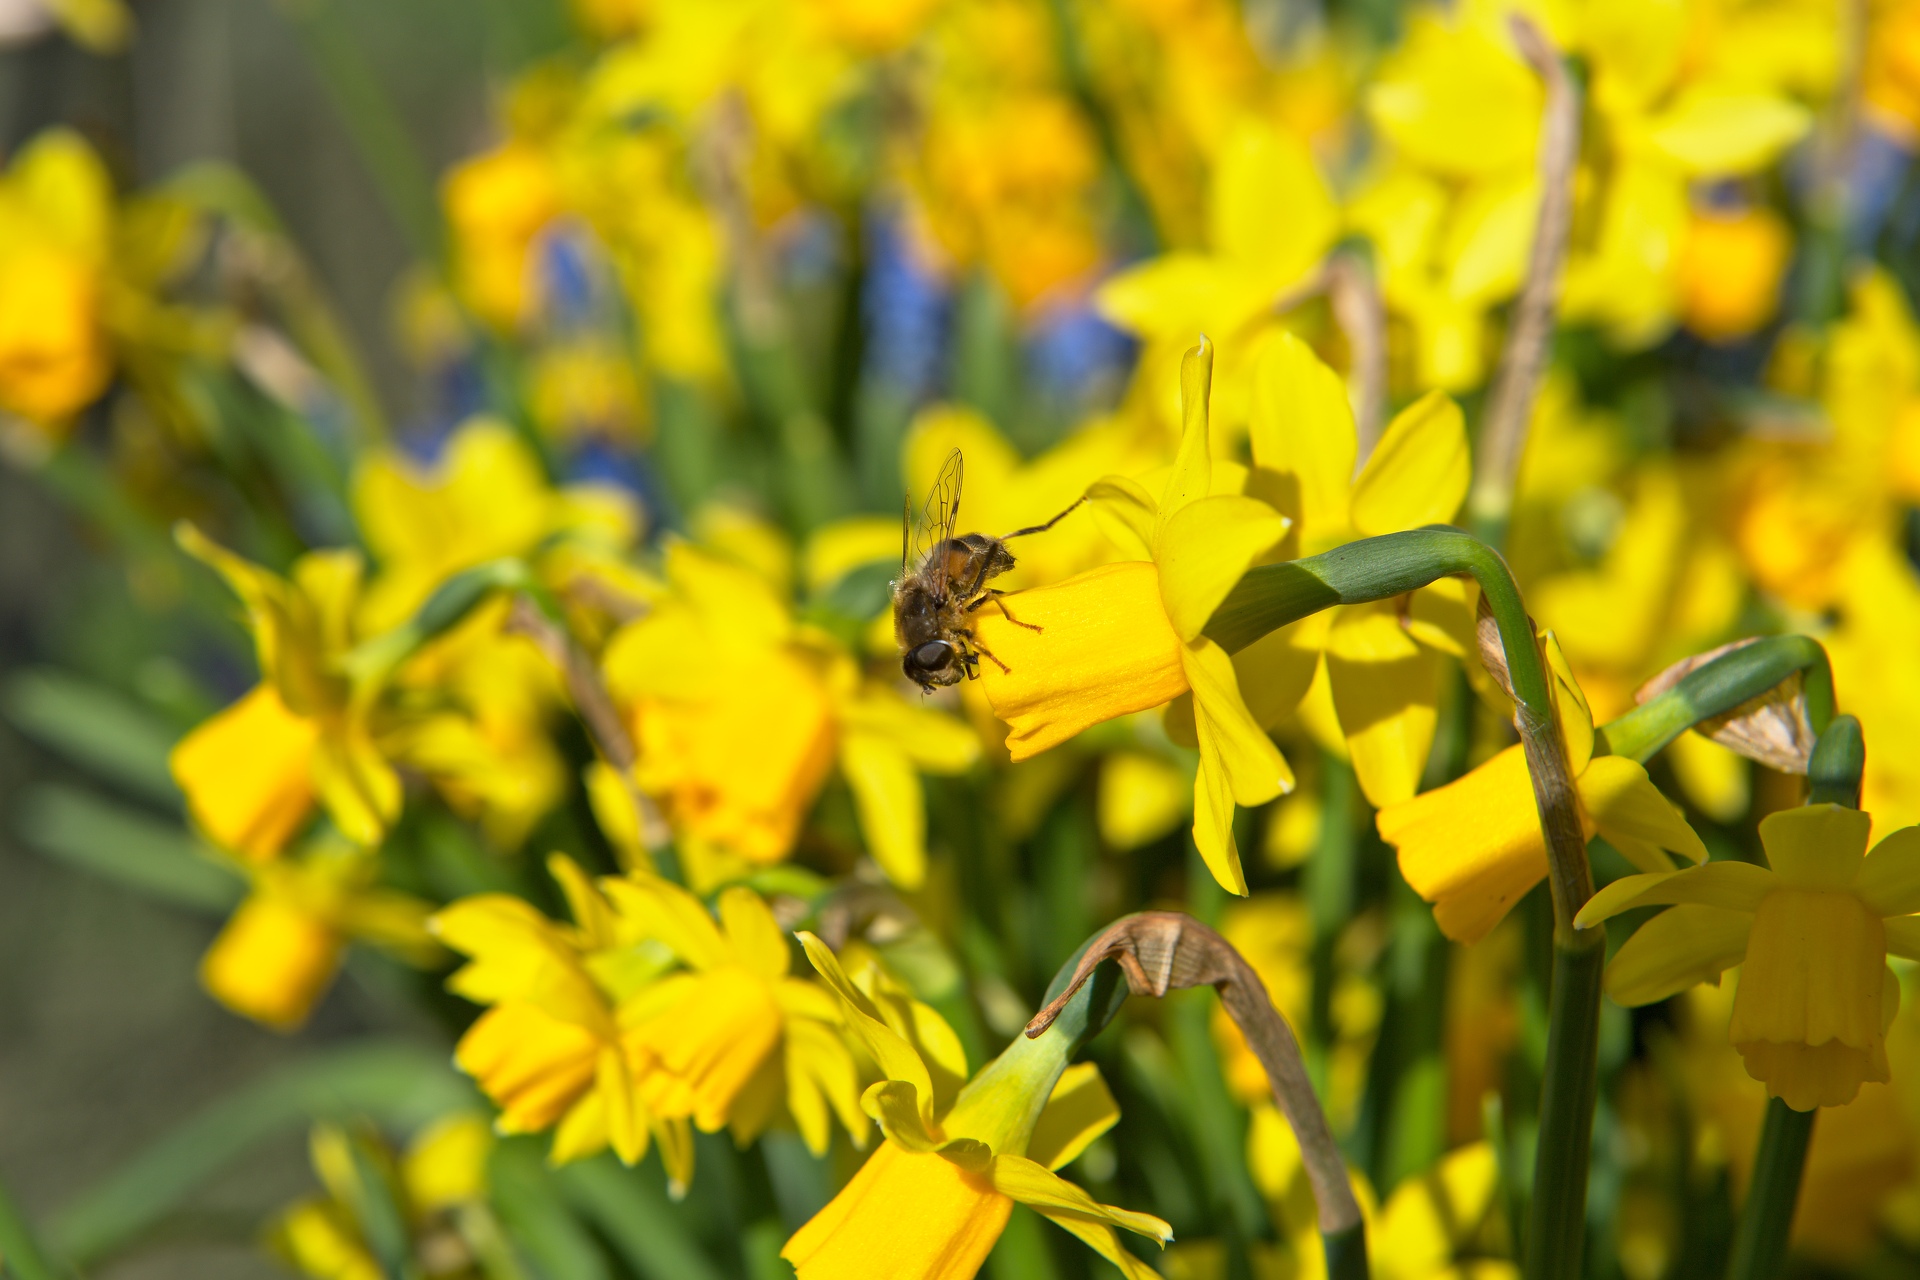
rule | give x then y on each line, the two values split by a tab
931	656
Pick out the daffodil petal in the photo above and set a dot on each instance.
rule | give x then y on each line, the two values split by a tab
1125	512
883	1044
1302	426
1889	880
1386	691
1213	820
1256	770
886	792
1080	1109
1204	548
1192	474
1418	472
1576	718
895	1107
754	937
1732	886
1817	846
1621	799
1033	1184
663	910
1903	936
1677	949
1473	848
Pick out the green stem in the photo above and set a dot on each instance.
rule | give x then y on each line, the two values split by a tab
1717	687
1760	1241
1766	1219
1557	1213
1379	568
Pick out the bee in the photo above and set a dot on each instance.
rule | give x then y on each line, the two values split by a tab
936	596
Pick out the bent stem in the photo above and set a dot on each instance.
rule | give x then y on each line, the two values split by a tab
1766	1219
1162	951
1379	568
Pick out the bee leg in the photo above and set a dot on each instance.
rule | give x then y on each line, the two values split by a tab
995	596
1004	668
1042	528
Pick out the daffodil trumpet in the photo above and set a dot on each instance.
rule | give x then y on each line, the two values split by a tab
1760	1238
1162	951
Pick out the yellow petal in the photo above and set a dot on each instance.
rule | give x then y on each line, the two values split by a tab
1302	427
1713	132
889	1050
1817	846
754	937
1570	704
1213	821
1418	473
271	962
1441	616
1142	797
1203	549
1386	690
662	910
1105	649
1675	950
359	788
1731	886
247	773
1254	766
1125	512
1422	1224
1257	170
534	1067
1192	474
893	818
907	1213
1032	1184
895	1107
1889	880
933	740
705	1049
1179	294
1622	801
1080	1109
1472	847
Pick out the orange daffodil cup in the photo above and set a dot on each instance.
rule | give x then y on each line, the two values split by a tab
1127	636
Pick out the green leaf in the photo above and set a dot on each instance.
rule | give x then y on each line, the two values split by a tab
150	855
20	1254
397	1084
635	1215
94	727
542	1226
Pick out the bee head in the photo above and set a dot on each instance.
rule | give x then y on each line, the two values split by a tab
933	664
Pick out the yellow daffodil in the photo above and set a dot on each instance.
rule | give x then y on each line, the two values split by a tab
442	1172
1451	214
1811	931
1383	659
732	1040
1128	636
485	498
280	949
252	772
1474	846
549	1050
56	222
1253	257
496	204
931	1201
1663	115
740	712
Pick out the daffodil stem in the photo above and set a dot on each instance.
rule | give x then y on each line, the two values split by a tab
18	1248
1393	564
1557	1211
1760	1241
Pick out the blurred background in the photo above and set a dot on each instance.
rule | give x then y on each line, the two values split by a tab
106	1039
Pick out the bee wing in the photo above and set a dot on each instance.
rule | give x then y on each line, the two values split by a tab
937	519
